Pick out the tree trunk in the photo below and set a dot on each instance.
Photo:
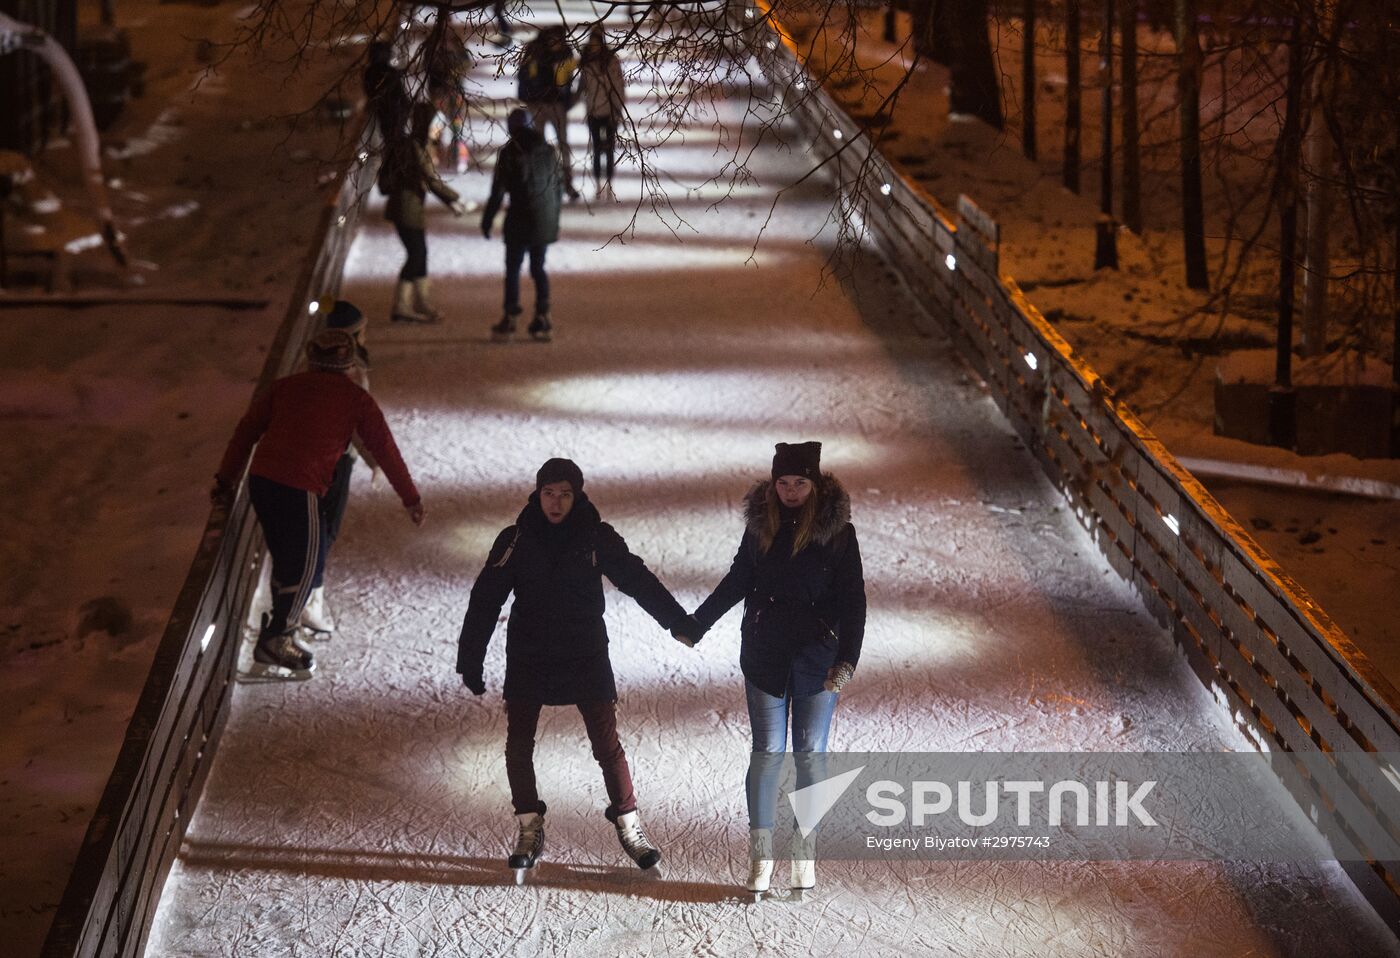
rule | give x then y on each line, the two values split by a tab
1028	145
1132	162
1193	229
1072	118
1282	417
973	72
932	29
1106	240
1318	202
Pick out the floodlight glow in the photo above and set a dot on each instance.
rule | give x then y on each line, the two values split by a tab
837	134
341	220
1172	524
771	45
950	262
207	637
801	84
313	307
885	189
748	14
364	155
1031	361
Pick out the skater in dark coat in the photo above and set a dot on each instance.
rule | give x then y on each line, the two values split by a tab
554	559
528	170
798	573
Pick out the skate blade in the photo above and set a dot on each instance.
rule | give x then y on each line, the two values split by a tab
317	635
542	337
268	672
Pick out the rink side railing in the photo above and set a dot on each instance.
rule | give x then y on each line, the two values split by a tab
110	900
1291	678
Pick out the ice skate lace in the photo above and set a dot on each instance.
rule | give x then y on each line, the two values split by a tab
529	837
633	838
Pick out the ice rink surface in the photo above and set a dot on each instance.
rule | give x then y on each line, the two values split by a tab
365	812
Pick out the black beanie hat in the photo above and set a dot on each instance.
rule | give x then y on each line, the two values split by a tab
559	470
798	459
345	315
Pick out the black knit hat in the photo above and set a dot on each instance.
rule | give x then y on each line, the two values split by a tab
798	459
559	470
345	315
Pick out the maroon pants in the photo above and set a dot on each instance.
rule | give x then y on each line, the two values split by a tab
600	719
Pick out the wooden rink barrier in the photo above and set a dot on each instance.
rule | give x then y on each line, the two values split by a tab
1288	674
1292	680
110	899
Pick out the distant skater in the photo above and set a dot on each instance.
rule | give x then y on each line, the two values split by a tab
527	170
554	559
798	573
302	425
406	175
546	88
603	90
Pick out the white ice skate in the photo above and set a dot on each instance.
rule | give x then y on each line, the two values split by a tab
316	616
760	862
635	843
529	844
804	876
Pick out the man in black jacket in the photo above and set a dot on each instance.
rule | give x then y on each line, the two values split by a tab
553	559
527	168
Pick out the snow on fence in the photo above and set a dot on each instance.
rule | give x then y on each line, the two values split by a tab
111	896
1291	678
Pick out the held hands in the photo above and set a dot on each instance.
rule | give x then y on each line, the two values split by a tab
687	632
416	512
838	675
475	684
458	208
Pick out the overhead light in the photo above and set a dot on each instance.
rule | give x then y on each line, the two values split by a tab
1031	360
950	261
885	189
207	638
837	134
313	307
1172	524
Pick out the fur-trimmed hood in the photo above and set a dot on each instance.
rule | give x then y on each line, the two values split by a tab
833	508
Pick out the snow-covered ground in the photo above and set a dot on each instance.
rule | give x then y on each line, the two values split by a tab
366	812
114	416
1155	341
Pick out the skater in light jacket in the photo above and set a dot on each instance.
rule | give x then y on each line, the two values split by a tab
554	559
798	573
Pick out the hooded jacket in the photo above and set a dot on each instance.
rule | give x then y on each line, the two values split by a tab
803	613
556	642
528	169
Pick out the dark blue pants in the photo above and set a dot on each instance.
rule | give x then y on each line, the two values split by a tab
291	524
515	256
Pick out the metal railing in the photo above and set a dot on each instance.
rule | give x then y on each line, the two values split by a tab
1292	679
110	900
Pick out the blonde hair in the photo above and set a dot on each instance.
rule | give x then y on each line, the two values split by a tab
773	518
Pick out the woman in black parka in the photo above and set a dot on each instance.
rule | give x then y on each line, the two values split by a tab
554	559
798	573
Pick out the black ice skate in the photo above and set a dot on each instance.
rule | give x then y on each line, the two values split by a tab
505	329
529	843
278	656
634	841
541	329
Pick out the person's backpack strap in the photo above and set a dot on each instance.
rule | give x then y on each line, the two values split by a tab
505	556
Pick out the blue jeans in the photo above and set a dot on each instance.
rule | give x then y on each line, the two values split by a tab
768	717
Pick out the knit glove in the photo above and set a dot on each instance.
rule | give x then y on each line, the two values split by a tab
476	684
838	675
